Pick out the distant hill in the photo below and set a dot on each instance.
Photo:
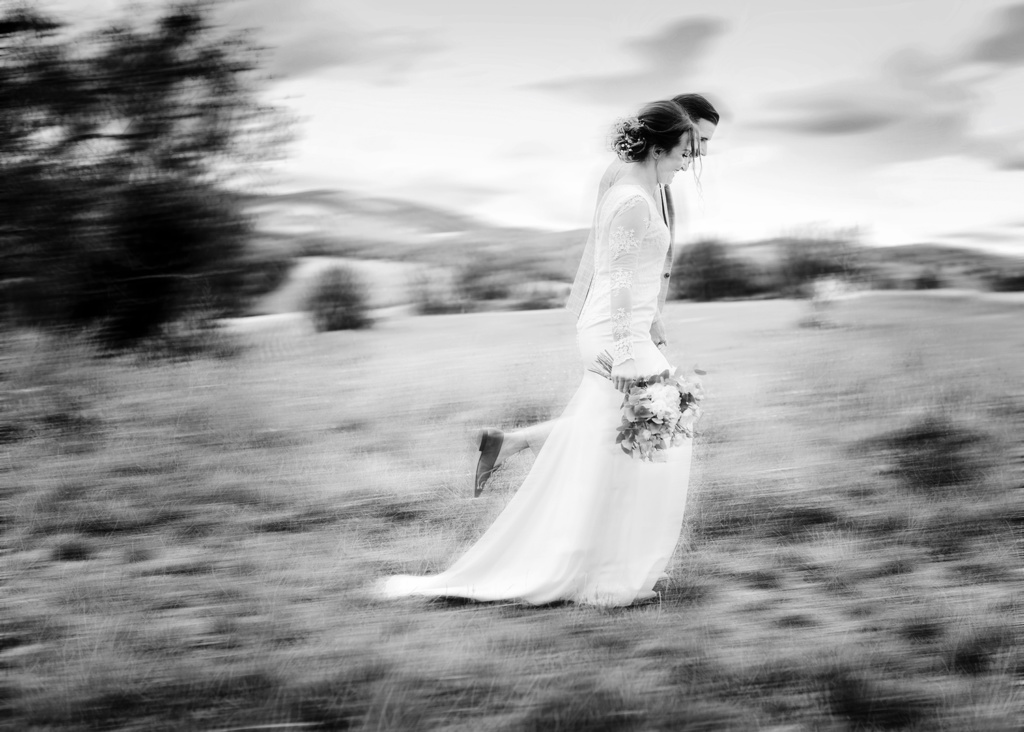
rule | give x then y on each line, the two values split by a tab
348	216
342	223
901	265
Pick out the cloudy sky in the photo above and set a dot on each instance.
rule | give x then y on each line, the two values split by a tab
904	118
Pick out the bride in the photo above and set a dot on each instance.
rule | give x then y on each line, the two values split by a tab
591	524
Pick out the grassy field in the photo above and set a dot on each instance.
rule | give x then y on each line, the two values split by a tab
193	545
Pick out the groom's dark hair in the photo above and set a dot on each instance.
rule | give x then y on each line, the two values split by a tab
698	107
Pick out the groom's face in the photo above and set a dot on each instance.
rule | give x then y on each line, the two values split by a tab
706	128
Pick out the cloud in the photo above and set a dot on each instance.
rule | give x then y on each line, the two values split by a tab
1006	45
679	46
1005	151
919	103
466	194
385	57
822	112
915	106
986	235
846	122
670	57
912	107
909	88
315	36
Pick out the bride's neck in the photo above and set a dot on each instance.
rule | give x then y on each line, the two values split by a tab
643	174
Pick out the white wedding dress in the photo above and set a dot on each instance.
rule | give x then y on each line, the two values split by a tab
590	524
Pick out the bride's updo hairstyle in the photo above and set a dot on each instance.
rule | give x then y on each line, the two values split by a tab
660	125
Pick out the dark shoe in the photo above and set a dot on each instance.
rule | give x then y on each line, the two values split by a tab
490	446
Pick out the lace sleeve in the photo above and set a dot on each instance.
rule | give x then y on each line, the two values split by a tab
628	227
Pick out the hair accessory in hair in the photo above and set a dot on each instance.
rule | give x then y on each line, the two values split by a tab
629	139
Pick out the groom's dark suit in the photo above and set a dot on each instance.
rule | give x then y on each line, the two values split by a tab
585	274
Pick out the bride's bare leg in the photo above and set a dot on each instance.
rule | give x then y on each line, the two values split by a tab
536	435
513	442
532	437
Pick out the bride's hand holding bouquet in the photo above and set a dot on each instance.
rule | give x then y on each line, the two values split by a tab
658	412
623	375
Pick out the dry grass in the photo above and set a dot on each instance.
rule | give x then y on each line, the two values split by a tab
193	545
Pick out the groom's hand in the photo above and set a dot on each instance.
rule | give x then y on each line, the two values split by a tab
658	332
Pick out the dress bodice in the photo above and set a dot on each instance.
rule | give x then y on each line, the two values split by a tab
629	258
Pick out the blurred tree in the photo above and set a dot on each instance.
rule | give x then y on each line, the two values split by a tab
929	278
807	258
339	301
705	270
115	154
1008	281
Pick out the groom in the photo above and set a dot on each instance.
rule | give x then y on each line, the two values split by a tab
495	445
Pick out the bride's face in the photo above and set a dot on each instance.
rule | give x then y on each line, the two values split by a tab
676	159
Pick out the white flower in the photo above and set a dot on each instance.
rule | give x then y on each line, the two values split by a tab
664	400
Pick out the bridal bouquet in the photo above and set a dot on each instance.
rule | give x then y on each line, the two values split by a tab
658	412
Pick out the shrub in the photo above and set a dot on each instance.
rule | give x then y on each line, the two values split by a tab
928	279
877	703
706	271
583	706
338	301
259	274
435	294
934	455
975	651
539	295
194	335
806	259
538	302
481	280
1010	282
72	550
